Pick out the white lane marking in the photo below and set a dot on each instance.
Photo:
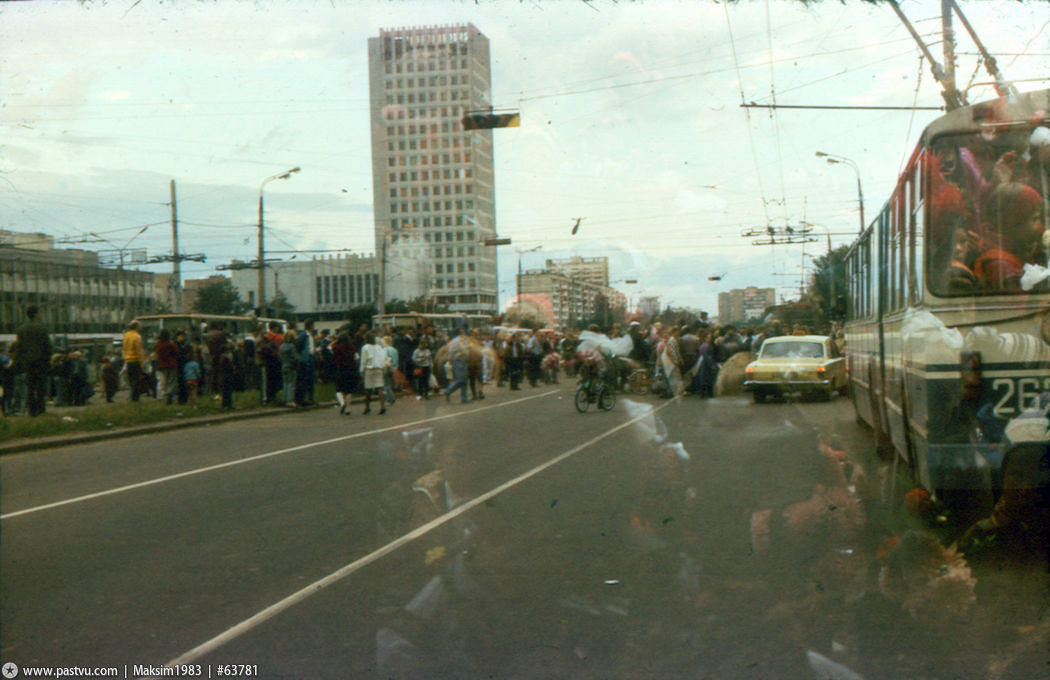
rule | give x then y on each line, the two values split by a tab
341	573
262	456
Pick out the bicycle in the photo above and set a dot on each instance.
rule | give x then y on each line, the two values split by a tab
640	380
595	387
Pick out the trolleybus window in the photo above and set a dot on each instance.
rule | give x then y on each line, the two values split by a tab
987	217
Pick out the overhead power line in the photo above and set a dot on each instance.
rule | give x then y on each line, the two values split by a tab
753	105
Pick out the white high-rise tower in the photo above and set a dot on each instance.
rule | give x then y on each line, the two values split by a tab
433	186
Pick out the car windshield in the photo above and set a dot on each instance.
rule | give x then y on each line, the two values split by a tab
793	350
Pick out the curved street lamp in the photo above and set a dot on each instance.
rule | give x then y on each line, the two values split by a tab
834	159
261	297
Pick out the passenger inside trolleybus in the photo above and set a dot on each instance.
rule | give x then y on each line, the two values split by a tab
987	211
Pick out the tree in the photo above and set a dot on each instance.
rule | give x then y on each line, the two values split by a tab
219	298
361	314
828	292
280	307
603	315
397	306
426	305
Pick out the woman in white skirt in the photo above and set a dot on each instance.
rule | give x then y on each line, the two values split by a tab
374	361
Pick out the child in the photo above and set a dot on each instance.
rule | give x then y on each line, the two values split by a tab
110	377
192	374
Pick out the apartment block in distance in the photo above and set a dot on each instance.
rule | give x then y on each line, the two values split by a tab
744	304
433	188
593	270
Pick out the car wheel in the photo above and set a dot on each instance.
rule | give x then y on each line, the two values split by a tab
759	397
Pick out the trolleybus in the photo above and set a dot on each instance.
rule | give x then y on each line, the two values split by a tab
195	323
949	311
449	323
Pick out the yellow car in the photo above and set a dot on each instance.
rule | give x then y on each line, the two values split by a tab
808	364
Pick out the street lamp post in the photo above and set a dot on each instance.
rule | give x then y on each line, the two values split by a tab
834	159
261	297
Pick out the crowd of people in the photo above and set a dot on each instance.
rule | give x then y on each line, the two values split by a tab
284	363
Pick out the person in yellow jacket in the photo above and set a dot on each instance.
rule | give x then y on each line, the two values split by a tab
134	356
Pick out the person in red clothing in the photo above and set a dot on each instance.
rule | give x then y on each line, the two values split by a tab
1014	211
167	353
345	358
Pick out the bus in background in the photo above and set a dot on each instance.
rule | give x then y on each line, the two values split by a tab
197	324
948	322
449	323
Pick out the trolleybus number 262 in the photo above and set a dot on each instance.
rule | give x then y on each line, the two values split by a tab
1014	395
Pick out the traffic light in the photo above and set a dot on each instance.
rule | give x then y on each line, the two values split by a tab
487	121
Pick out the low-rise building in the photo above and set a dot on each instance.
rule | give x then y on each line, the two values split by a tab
74	293
320	288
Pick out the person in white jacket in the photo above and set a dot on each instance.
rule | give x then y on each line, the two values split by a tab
374	361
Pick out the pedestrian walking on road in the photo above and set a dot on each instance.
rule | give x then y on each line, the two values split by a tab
344	363
458	354
374	361
33	352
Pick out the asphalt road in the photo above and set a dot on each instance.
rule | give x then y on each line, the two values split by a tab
511	537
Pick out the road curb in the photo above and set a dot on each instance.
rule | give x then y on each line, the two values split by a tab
72	439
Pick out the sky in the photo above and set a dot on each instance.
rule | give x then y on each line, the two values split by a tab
631	119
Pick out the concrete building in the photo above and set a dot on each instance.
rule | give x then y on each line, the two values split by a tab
191	289
594	270
433	188
323	289
744	304
649	305
571	300
74	293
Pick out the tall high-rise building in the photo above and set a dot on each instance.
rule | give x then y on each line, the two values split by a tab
433	187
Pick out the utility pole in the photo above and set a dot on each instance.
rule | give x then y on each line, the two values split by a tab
176	268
